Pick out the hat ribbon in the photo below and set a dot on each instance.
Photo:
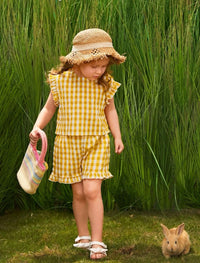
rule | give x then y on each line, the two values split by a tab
91	46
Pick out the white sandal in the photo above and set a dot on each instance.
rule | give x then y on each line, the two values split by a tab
98	250
82	244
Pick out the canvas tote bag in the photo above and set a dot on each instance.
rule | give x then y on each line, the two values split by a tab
33	166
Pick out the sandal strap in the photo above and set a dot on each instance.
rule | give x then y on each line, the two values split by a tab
98	243
98	250
82	238
81	245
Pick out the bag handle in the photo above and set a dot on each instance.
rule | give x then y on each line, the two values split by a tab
43	137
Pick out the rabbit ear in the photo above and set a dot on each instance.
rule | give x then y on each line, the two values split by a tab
165	230
180	229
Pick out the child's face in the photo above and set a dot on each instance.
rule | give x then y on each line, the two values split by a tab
93	70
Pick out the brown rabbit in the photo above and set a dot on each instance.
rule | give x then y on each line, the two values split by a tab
176	241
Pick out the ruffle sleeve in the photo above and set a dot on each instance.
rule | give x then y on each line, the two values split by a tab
53	79
112	89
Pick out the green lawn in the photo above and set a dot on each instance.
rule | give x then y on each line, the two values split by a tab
47	236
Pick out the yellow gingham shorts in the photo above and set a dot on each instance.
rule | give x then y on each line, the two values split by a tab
80	157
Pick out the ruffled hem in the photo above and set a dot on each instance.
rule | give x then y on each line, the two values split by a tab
53	86
97	175
78	179
65	179
114	85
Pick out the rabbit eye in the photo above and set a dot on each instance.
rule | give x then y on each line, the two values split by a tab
175	242
167	242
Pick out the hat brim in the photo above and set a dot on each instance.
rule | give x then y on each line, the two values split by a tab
78	57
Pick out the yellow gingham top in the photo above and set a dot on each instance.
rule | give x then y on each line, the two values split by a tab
81	103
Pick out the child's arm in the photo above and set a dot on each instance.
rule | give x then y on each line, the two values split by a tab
43	118
113	123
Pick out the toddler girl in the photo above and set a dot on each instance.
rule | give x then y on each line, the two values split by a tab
83	91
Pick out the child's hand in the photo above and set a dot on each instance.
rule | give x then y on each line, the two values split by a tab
34	136
119	146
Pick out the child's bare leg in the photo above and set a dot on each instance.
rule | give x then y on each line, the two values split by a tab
92	191
80	210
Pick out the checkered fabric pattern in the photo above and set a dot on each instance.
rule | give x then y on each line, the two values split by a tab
81	103
80	157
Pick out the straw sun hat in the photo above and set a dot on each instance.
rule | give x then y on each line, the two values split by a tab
92	44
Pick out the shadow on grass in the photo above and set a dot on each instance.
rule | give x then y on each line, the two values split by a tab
139	250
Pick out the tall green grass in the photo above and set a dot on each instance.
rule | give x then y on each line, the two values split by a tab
158	102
